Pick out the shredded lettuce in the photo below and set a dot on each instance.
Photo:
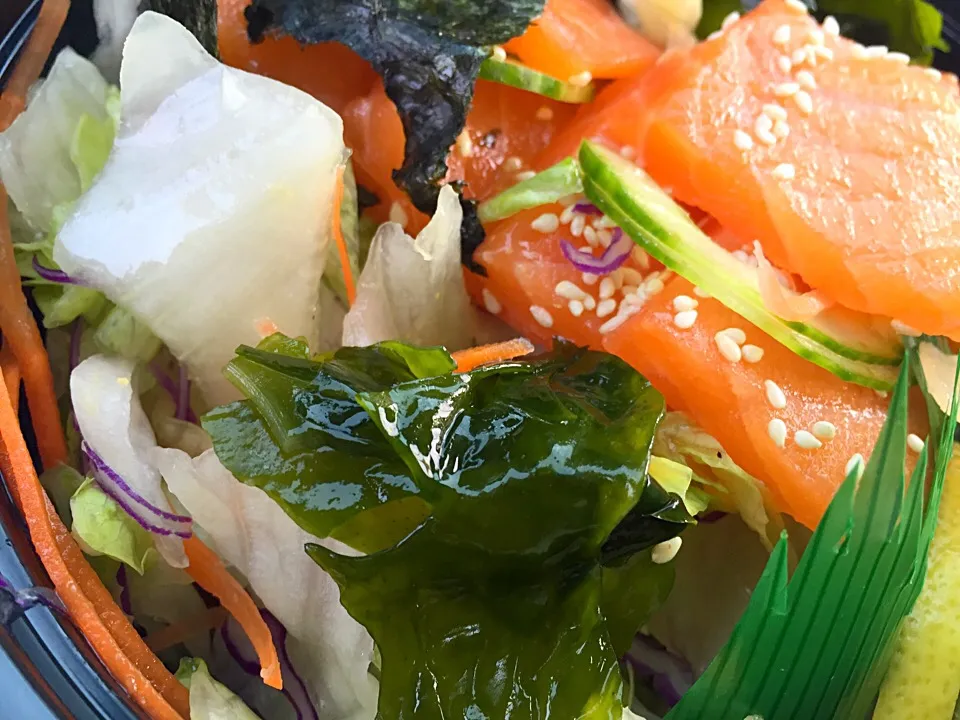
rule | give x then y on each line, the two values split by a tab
103	528
412	290
210	700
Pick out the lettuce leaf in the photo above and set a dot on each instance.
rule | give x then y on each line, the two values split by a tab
429	56
413	290
489	597
210	700
104	528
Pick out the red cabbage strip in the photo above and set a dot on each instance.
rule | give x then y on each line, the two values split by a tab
613	257
52	275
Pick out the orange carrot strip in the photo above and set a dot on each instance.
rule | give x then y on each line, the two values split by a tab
53	13
497	352
20	331
174	634
91	606
341	243
11	375
210	574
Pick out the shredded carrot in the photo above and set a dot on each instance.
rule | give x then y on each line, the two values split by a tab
341	243
497	352
174	634
20	331
11	375
53	13
91	606
210	574
266	327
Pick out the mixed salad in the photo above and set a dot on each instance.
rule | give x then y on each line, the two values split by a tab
513	359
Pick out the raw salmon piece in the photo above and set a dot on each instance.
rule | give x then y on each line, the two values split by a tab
524	269
861	195
507	129
576	36
331	72
731	402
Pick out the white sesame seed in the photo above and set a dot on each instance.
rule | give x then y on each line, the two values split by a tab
567	214
784	171
877	51
577	225
775	395
915	443
589	278
525	175
901	328
806	440
823	52
787	89
614	322
631	276
797	5
736	334
774	111
933	73
576	308
784	63
799	56
715	34
781	36
569	290
640	257
604	222
806	80
824	430
544	113
589	302
831	26
542	316
763	124
398	214
512	164
685	319
899	57
629	290
580	79
700	292
804	102
491	303
752	353
858	51
666	551
781	129
881	393
628	152
855	461
590	235
546	223
742	140
568	200
727	347
607	288
606	307
816	37
683	303
777	430
729	20
499	53
653	285
604	237
465	144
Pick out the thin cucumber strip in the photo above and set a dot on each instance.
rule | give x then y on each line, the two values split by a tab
649	216
510	72
549	186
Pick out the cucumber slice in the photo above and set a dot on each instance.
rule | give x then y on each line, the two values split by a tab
548	186
655	222
510	72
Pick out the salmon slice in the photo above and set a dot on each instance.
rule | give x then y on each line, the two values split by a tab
507	128
859	194
535	289
731	400
331	72
577	36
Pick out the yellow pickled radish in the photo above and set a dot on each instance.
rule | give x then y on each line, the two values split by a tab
923	681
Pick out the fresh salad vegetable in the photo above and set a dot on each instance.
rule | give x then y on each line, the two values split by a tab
519	359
